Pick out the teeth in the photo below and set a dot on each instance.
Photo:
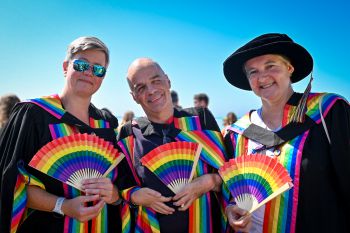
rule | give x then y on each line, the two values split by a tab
266	86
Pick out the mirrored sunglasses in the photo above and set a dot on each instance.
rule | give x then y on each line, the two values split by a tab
81	66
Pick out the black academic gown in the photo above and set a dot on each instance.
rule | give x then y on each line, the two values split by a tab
26	132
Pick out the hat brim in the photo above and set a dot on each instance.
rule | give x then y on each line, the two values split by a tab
300	59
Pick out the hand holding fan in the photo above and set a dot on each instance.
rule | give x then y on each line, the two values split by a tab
174	163
74	158
253	180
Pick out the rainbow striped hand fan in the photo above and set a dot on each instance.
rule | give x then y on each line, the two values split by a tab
73	158
174	163
253	180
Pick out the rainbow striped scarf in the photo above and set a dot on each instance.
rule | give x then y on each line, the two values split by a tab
19	210
146	218
280	213
214	155
52	104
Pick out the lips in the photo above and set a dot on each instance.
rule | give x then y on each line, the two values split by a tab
153	100
266	85
86	81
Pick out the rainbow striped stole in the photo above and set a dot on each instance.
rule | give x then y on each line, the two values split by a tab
328	99
101	124
19	209
51	104
214	155
127	147
280	213
146	218
60	130
187	123
98	123
241	124
200	219
213	152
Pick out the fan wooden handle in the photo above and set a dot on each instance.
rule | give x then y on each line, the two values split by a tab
195	161
116	162
282	189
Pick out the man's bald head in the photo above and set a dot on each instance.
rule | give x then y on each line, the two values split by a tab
139	64
150	87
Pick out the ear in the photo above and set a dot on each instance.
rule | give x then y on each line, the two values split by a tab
65	67
169	82
290	69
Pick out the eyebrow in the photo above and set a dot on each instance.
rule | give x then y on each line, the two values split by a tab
87	60
151	78
265	63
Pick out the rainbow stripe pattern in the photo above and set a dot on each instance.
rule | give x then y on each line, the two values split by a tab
51	104
213	152
173	163
328	99
254	180
57	130
19	210
98	123
73	158
127	147
188	123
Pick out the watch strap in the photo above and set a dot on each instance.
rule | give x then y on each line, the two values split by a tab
58	205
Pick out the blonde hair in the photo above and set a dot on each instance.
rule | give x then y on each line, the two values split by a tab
86	43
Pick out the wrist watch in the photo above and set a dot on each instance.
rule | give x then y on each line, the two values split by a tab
58	206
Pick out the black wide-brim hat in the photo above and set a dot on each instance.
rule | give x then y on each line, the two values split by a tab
272	43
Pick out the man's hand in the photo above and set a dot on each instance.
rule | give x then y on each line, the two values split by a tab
196	189
239	219
77	207
150	198
102	187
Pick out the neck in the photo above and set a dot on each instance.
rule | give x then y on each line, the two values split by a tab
272	112
161	118
77	106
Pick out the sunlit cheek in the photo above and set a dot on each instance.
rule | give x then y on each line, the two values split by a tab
252	83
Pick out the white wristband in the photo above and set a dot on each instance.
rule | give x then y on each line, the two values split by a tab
58	205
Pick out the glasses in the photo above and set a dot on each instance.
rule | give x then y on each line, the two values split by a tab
81	66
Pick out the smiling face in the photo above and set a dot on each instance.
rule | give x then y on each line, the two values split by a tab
269	77
150	87
83	84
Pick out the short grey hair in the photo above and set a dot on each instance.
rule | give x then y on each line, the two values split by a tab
86	43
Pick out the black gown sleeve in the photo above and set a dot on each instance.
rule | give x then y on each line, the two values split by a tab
338	124
229	145
19	141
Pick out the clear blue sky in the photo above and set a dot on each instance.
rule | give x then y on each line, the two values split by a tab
190	40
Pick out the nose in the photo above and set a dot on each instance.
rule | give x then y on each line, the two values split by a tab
263	75
89	72
150	89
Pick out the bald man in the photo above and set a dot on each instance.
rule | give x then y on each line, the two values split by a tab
194	208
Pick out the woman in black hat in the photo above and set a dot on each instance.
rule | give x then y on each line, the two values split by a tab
307	132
